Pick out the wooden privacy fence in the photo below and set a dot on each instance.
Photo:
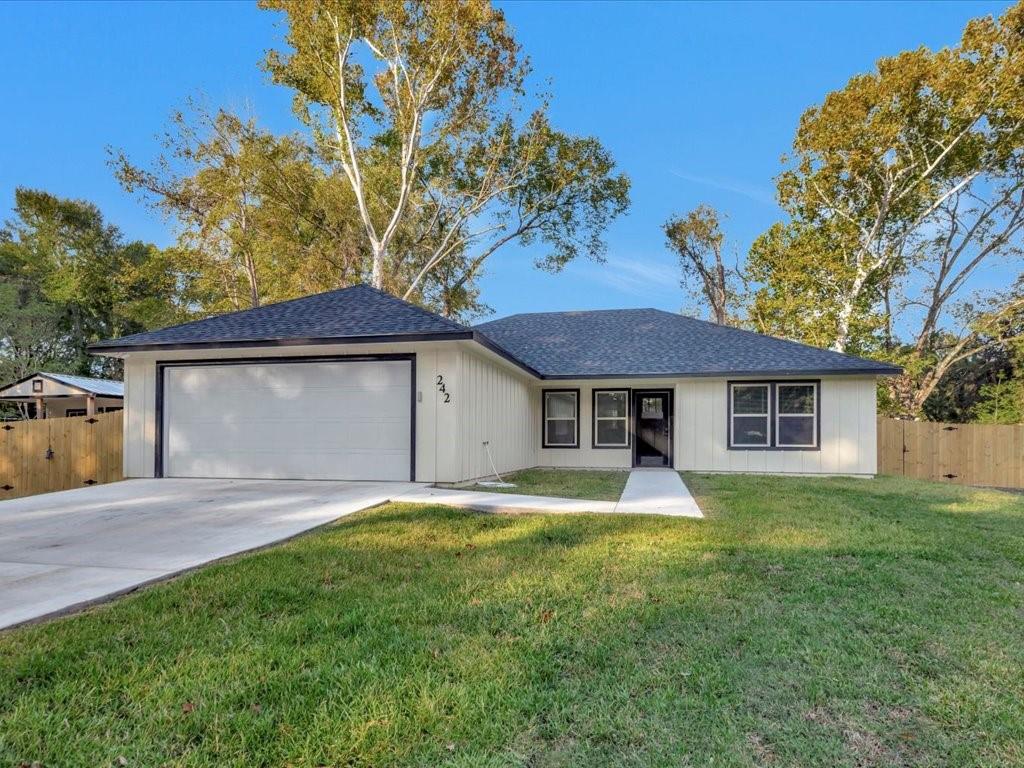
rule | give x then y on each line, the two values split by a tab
967	454
58	454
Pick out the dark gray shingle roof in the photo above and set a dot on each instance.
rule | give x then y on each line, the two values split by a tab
355	312
635	342
623	342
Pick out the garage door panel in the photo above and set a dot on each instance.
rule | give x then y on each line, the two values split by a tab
273	465
323	420
339	403
231	435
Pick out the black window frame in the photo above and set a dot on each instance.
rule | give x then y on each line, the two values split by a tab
628	419
544	418
75	412
37	386
773	414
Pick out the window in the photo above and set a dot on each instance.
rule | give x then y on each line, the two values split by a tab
111	409
780	415
611	418
74	412
750	416
796	420
561	418
37	385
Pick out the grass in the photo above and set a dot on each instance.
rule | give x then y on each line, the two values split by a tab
597	485
805	622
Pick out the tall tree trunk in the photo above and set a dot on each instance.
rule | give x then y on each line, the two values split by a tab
377	274
254	287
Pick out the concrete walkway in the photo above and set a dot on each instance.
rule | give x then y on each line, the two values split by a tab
657	492
647	492
483	501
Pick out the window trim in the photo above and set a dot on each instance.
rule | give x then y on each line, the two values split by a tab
814	416
544	419
627	418
773	385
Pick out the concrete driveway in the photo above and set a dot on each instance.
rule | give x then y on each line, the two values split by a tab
63	550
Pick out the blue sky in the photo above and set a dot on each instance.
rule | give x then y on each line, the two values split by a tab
697	102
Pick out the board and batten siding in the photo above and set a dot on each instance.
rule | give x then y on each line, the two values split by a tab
492	400
848	442
496	405
432	359
586	456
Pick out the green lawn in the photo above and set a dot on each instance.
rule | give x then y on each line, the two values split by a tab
806	622
598	485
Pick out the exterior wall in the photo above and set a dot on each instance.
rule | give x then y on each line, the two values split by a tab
497	405
700	424
487	398
50	389
432	358
847	431
586	455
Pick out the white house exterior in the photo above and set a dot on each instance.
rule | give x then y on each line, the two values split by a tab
216	400
56	395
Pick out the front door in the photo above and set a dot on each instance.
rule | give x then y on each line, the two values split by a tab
652	426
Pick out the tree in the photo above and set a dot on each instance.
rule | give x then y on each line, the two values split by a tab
1002	402
697	240
428	140
914	177
257	219
68	279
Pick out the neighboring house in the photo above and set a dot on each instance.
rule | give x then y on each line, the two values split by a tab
355	384
53	395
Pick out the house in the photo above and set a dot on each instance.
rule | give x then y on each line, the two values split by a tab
52	395
355	384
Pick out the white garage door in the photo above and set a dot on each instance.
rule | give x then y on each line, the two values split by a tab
303	421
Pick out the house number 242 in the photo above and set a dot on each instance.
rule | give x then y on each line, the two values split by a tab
446	396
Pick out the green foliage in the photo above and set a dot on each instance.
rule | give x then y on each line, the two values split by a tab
697	240
68	279
416	107
902	186
1001	402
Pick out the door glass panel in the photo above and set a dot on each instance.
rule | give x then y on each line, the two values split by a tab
651	408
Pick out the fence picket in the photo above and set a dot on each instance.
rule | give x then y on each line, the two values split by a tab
85	450
974	454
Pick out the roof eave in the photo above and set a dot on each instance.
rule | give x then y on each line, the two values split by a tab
103	348
888	371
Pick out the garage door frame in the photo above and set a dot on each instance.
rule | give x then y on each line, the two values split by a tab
163	365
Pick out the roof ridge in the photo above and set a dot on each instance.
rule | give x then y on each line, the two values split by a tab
453	325
416	307
573	312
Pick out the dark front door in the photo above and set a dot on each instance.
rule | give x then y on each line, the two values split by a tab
652	420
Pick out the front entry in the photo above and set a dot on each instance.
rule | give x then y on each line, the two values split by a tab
652	428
